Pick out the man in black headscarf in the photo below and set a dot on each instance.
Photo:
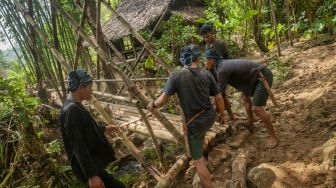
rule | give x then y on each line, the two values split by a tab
85	143
193	86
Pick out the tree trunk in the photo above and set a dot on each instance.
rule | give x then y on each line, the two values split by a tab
277	39
256	28
93	13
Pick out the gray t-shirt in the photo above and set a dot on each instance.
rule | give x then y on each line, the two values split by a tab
193	87
240	74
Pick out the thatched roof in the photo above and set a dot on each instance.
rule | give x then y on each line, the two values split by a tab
189	13
139	14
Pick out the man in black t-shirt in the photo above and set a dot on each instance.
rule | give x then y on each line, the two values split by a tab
206	32
243	75
85	143
193	86
220	46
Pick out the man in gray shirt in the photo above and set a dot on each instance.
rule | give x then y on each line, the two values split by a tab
243	75
193	86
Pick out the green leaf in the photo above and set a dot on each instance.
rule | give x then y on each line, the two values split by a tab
200	20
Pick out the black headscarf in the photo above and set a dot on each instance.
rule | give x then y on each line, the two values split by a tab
77	78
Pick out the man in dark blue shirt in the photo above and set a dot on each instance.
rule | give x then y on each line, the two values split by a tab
193	86
243	75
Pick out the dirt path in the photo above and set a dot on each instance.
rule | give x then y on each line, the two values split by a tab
304	121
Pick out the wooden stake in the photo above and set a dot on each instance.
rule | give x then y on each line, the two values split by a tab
151	132
268	89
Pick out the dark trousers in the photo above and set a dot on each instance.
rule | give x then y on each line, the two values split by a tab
110	181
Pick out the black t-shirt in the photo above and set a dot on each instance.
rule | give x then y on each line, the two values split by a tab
85	143
240	74
193	87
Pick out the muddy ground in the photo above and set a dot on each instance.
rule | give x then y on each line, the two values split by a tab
305	122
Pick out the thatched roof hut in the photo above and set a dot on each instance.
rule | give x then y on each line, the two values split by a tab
143	13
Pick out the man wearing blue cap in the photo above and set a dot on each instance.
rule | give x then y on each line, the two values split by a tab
85	143
193	86
243	75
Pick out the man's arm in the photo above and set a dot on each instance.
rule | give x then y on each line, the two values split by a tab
163	99
228	106
220	106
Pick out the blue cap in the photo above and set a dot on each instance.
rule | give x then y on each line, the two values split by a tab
77	78
213	54
188	53
206	28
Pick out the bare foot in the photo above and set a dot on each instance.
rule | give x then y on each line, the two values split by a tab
272	142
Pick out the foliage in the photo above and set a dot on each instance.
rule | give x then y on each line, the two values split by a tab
174	34
14	99
128	179
150	154
279	69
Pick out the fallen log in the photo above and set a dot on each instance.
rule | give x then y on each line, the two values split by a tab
239	164
160	134
168	178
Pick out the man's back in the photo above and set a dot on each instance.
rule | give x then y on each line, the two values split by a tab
193	86
241	74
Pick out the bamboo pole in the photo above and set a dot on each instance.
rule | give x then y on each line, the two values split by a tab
130	146
79	38
151	132
132	79
56	44
129	84
137	154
